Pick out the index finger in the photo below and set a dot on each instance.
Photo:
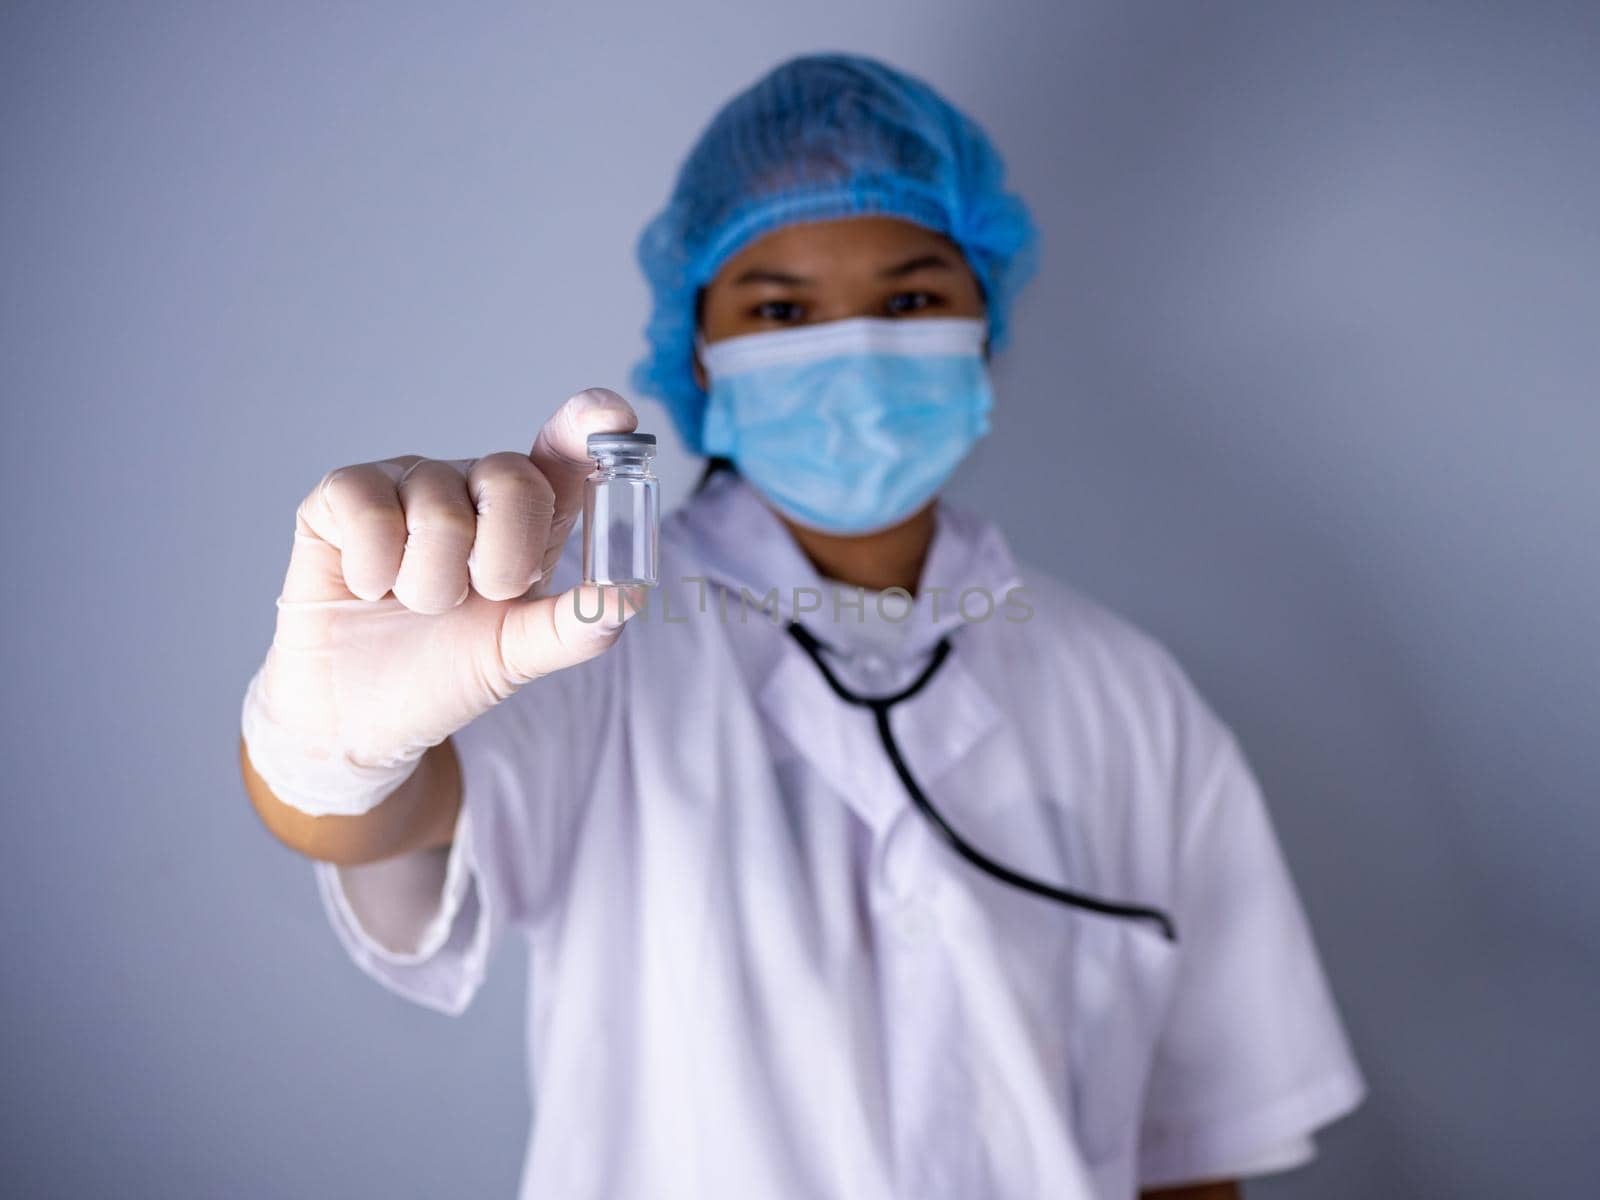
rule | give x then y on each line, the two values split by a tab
561	453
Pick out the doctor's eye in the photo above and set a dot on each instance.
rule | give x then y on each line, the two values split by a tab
777	310
904	302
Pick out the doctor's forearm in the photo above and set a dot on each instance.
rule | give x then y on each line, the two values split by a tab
418	815
1198	1191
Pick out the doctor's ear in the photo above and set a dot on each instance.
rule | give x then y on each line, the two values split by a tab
699	372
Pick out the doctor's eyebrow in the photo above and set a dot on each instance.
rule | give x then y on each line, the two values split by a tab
920	263
768	275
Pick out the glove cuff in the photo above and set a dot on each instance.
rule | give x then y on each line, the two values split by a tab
318	779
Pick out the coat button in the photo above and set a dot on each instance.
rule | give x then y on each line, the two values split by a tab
913	923
896	861
874	670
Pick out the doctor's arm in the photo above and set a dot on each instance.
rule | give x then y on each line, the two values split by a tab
1252	1058
1199	1191
418	815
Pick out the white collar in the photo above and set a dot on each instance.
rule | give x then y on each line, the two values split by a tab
741	543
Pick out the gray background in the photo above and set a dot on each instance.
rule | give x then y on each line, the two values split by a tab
1307	388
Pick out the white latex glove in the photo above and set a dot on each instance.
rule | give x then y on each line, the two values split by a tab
406	610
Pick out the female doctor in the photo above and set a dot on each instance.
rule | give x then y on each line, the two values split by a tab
870	862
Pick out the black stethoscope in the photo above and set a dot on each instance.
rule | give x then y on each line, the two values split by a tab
880	706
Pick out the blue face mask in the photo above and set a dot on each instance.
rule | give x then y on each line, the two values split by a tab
849	426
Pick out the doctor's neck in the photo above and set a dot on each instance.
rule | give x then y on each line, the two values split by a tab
891	557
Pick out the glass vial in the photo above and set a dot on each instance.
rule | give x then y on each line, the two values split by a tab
621	510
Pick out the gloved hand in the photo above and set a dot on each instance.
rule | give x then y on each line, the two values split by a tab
414	601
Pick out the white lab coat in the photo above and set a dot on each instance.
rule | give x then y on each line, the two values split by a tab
756	971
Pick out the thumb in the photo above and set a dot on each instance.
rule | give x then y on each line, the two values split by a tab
553	632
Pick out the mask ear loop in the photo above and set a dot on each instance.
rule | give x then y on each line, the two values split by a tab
702	351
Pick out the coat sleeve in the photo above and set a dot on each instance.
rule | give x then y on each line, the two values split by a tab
1252	1056
425	925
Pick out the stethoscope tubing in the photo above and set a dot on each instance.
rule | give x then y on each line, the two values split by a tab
880	707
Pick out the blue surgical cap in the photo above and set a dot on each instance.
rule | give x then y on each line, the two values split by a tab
820	137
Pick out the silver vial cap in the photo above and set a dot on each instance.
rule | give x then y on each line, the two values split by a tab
612	443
